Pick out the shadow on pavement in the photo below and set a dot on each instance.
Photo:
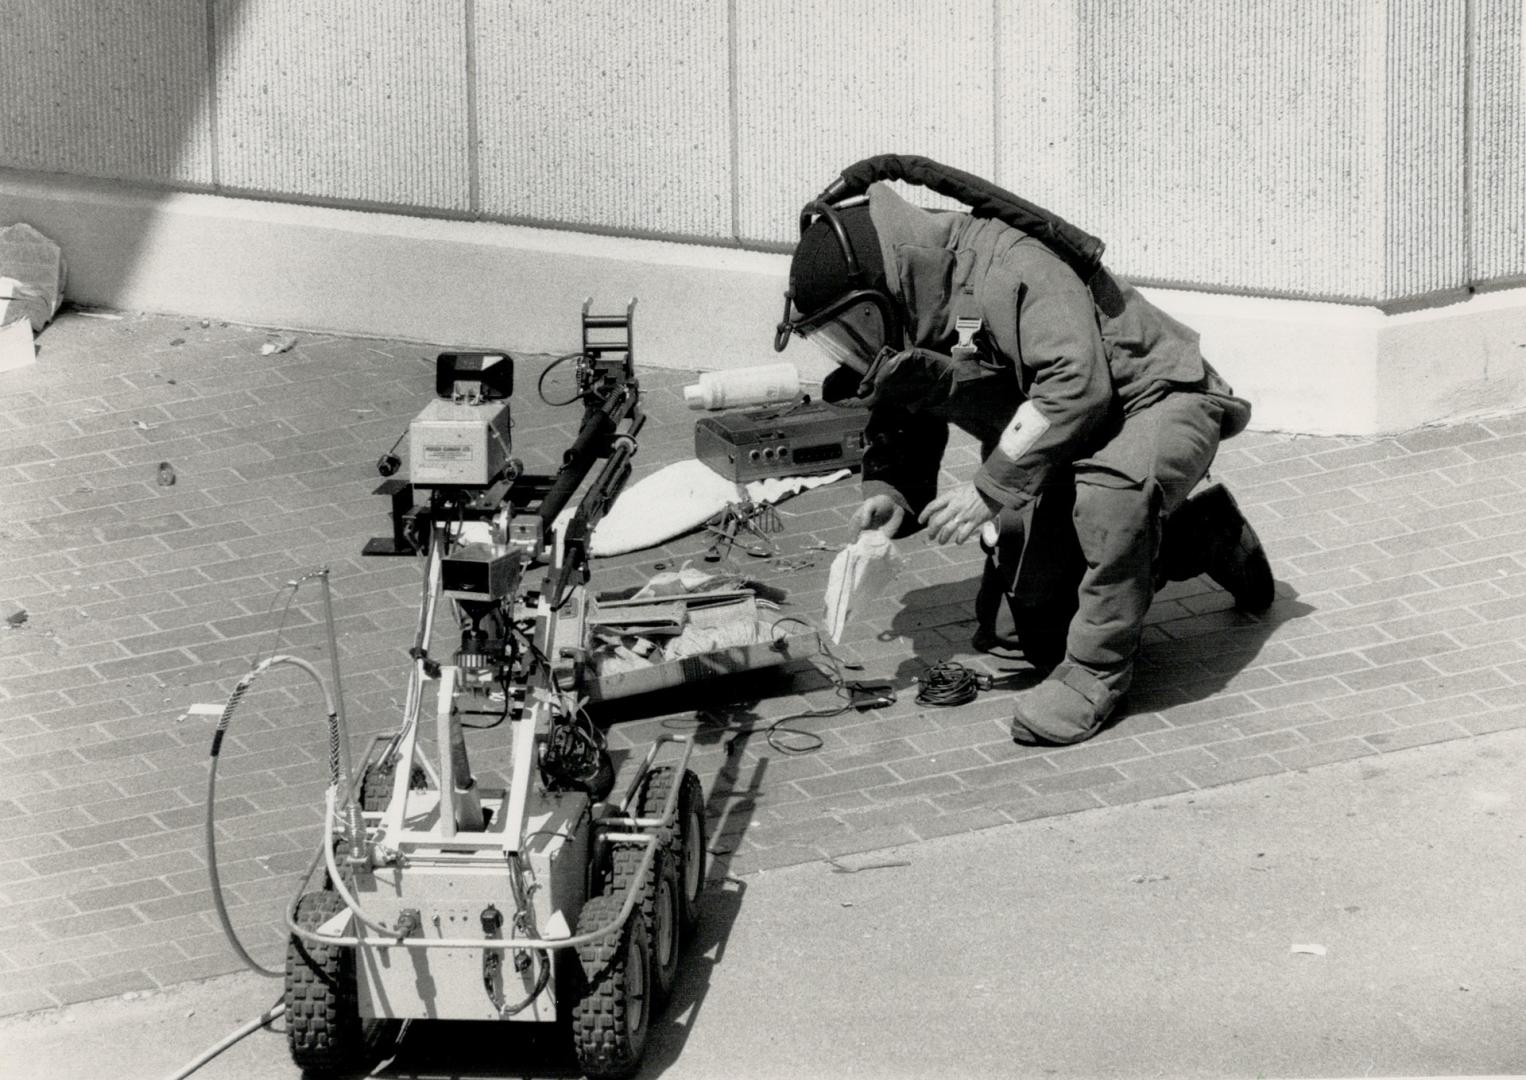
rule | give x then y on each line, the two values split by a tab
1192	668
1198	657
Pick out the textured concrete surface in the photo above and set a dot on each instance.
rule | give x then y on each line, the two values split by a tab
618	117
820	86
108	90
363	102
1399	623
1359	919
1497	41
1358	152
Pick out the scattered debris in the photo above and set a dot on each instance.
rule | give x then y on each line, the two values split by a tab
15	614
1307	950
141	426
166	474
1149	879
109	315
839	868
205	323
279	344
177	341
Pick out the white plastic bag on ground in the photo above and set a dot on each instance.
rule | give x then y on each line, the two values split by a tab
31	276
859	574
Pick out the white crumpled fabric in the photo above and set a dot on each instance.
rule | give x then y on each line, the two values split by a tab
859	574
32	274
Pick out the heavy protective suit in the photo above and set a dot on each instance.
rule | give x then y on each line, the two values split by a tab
1120	419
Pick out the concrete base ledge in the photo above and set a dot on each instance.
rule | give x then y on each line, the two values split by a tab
1309	367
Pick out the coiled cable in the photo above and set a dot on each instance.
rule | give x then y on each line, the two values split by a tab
950	683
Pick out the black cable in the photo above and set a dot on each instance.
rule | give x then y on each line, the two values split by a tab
951	683
805	742
508	703
540	383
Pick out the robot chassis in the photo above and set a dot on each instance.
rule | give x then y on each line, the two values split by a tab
544	901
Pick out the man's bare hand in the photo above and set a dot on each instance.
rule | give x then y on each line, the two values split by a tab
955	516
879	512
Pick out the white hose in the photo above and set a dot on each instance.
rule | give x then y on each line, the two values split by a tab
279	1008
270	1014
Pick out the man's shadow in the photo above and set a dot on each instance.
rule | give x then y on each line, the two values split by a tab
1197	644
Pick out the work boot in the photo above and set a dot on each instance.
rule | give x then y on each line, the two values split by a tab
1231	552
1070	706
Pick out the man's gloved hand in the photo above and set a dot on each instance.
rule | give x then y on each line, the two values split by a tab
957	515
879	512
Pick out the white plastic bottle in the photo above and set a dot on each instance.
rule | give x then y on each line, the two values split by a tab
746	386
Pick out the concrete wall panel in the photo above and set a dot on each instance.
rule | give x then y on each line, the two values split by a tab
1038	106
105	90
1425	228
613	114
1497	173
355	100
1372	151
1235	145
821	85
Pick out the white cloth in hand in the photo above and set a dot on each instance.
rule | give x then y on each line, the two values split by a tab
859	574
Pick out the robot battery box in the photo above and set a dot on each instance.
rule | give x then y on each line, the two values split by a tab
800	440
458	444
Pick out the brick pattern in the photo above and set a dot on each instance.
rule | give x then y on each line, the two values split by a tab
1401	565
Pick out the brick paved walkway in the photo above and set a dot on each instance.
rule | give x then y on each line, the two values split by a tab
1401	565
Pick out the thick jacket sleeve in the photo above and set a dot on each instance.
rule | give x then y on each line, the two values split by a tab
901	459
1062	370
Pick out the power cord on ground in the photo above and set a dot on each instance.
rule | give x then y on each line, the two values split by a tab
780	735
951	683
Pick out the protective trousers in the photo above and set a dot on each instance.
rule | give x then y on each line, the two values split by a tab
1085	558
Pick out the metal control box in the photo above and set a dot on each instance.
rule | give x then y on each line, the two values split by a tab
455	444
800	440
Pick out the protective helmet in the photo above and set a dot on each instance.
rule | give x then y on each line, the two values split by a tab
837	298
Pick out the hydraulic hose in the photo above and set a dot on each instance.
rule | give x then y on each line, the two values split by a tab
265	1018
1080	249
277	1009
210	832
